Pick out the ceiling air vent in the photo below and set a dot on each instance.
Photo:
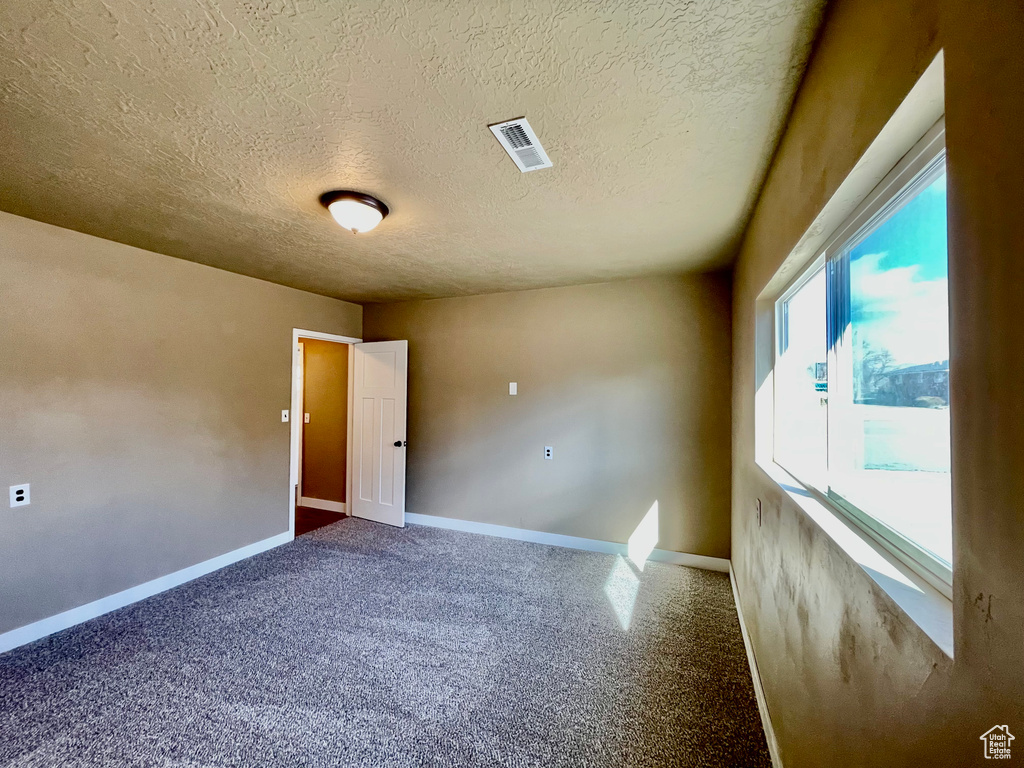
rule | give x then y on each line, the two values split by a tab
519	140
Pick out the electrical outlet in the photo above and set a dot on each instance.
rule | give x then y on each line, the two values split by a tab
19	495
284	415
549	452
758	513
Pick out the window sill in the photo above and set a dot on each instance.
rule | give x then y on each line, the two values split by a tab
922	603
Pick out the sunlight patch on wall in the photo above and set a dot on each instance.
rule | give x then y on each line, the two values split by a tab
644	539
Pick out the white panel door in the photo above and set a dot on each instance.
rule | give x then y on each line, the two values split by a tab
378	431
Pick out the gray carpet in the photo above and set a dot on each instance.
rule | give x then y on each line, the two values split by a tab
363	645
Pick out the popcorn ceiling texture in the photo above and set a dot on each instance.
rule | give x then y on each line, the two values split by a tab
206	130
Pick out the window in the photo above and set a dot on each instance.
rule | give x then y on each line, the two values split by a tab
801	393
862	367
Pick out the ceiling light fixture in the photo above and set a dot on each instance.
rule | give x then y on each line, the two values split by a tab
354	210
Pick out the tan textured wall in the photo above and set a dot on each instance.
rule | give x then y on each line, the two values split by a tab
141	397
628	381
325	438
850	681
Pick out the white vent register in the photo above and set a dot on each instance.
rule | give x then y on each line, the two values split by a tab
519	140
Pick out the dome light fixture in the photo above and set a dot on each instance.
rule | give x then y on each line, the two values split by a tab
354	211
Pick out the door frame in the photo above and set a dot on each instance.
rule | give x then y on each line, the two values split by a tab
296	416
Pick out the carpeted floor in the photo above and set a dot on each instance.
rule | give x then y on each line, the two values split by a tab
363	645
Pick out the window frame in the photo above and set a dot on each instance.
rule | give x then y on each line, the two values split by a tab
779	346
918	168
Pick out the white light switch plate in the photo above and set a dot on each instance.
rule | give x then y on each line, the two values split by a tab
513	388
306	418
284	415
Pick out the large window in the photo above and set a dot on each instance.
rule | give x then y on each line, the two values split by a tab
862	367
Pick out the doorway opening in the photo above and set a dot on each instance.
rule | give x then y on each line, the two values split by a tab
323	427
346	460
320	429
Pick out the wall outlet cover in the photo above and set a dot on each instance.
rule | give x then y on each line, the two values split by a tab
513	388
549	452
20	495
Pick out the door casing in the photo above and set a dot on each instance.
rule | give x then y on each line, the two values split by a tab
295	419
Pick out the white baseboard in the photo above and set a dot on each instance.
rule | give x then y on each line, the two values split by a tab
40	629
719	564
330	506
762	703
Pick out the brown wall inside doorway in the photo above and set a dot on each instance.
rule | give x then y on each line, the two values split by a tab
325	438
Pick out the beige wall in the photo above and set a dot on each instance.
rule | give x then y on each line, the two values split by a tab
141	397
628	381
850	681
325	438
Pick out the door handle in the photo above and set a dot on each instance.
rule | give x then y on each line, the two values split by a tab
399	443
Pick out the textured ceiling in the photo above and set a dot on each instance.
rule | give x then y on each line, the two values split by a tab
206	129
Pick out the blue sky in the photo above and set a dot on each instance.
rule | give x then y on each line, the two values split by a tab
898	282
